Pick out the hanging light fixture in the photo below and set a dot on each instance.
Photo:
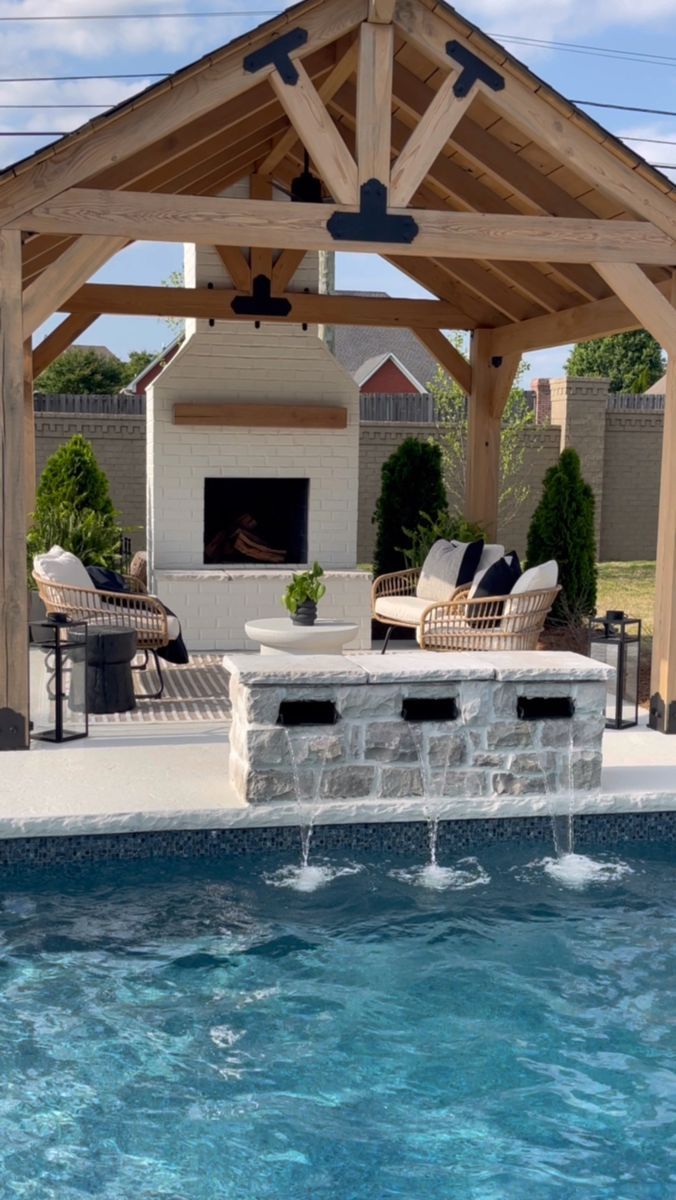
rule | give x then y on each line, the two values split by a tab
307	188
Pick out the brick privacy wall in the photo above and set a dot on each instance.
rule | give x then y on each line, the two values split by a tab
631	485
119	443
378	441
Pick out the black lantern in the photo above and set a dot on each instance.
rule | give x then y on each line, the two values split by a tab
58	679
616	641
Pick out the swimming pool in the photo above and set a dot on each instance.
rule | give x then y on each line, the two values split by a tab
203	1031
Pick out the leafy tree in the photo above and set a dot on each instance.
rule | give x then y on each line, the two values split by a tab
562	527
138	359
411	485
80	372
452	419
73	507
631	361
176	324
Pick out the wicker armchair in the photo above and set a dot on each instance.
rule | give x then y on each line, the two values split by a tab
124	610
496	623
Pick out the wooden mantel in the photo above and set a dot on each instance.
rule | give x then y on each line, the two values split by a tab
262	416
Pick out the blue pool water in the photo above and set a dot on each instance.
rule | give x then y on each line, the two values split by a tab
201	1031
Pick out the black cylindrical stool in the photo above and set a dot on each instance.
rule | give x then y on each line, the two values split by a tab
110	653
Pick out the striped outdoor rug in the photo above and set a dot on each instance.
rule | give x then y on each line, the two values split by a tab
196	692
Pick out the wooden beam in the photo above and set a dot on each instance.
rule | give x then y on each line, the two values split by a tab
236	265
75	266
215	220
492	381
547	125
14	717
374	102
260	188
582	323
643	298
284	269
262	416
30	468
180	100
663	679
447	356
381	12
60	339
117	299
338	76
426	142
315	128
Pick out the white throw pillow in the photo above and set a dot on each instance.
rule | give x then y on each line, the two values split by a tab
538	579
60	566
443	569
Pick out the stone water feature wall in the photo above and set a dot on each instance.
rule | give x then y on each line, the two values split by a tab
470	734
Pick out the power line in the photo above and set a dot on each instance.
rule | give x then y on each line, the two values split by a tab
76	78
656	112
168	16
647	57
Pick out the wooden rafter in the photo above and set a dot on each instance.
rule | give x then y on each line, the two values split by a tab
547	127
236	265
274	223
63	277
285	268
654	311
307	308
447	356
381	11
315	128
426	142
183	99
374	102
342	71
60	339
260	188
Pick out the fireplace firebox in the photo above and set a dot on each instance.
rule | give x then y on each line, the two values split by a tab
256	521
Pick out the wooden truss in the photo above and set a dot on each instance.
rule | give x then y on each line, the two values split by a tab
527	223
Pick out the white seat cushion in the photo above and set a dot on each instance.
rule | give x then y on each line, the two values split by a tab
407	609
60	566
537	579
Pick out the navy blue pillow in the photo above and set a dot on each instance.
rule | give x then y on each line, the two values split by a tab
470	562
500	577
105	580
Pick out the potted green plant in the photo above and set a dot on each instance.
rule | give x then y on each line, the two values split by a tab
303	595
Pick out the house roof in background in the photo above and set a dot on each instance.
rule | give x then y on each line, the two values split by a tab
372	365
356	346
102	351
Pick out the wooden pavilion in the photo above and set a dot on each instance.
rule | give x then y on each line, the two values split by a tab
530	224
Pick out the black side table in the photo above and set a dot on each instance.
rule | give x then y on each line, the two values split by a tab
110	653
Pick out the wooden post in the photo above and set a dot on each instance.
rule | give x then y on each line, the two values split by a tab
14	722
663	681
492	379
30	474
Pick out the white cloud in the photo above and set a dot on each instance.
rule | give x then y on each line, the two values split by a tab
565	19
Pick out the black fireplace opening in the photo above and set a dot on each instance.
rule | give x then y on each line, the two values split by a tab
256	521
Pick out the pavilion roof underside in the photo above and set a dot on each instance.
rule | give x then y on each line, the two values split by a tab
488	166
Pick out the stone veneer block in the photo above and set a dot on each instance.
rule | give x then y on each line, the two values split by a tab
372	753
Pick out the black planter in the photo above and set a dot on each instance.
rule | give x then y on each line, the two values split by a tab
305	614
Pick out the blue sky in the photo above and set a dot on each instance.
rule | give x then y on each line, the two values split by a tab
125	46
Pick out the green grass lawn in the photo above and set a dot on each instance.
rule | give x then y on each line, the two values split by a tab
629	586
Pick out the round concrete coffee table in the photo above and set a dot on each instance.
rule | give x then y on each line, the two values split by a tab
279	635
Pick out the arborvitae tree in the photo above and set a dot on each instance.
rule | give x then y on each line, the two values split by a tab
562	527
73	506
411	484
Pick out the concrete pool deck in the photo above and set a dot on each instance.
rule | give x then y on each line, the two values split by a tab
175	776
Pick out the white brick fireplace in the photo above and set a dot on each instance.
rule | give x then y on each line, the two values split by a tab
240	364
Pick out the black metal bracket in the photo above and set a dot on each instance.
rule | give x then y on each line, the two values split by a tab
661	718
261	303
496	361
473	71
277	54
373	223
12	730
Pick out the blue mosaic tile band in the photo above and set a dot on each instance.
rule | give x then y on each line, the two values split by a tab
401	837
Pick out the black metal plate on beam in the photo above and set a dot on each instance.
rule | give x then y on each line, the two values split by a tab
373	223
660	719
261	303
277	53
473	71
12	730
